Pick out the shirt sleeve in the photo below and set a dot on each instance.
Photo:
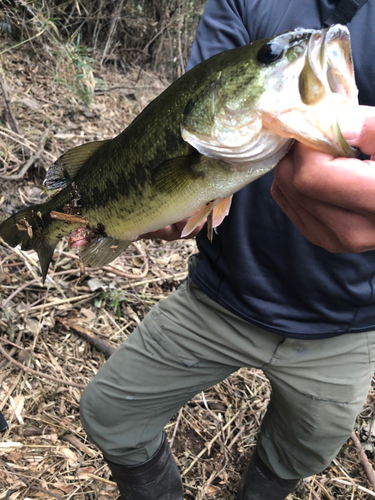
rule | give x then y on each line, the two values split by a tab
221	28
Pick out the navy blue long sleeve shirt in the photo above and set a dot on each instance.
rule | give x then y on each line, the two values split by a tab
259	265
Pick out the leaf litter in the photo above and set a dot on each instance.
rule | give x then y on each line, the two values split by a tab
45	453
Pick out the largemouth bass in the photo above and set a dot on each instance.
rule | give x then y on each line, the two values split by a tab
222	125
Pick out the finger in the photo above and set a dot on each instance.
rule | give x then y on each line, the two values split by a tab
309	226
359	129
171	232
345	182
328	226
168	233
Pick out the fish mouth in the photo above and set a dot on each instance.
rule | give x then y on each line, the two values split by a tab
327	83
340	70
328	66
326	92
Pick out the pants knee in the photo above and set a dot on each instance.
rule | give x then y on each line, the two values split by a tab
89	409
117	430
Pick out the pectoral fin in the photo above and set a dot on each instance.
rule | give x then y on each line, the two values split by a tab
175	174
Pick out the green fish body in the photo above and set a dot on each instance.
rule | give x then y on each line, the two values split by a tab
219	127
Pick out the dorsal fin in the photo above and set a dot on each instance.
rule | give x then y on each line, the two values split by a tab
66	167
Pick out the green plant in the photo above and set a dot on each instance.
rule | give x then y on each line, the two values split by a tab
83	81
113	299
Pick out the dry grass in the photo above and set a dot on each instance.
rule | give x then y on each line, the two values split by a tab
143	33
45	454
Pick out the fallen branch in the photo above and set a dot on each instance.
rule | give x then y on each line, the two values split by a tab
39	374
362	455
74	441
99	344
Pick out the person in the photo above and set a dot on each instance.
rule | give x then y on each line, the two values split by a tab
260	295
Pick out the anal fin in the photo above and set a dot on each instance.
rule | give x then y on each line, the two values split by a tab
102	250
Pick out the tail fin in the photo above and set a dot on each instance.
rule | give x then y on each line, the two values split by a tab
26	228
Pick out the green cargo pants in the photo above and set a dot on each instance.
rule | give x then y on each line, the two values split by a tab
188	343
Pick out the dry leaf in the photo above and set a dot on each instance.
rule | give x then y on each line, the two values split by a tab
212	490
95	284
84	472
70	455
67	488
31	103
90	314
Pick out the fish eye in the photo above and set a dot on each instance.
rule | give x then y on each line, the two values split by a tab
270	52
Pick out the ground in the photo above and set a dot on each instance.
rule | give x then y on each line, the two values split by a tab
44	453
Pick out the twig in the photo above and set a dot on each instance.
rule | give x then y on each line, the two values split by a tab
23	42
59	302
16	292
362	455
10	392
321	489
12	351
99	344
112	29
102	479
202	452
352	483
177	276
30	485
176	427
39	374
9	493
29	162
15	126
9	134
74	441
236	437
69	218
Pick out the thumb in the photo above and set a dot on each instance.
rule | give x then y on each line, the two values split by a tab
351	119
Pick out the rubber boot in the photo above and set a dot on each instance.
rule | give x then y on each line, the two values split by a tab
258	482
156	479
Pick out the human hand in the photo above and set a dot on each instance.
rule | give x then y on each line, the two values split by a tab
332	200
172	232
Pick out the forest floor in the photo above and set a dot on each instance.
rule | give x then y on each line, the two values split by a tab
45	453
